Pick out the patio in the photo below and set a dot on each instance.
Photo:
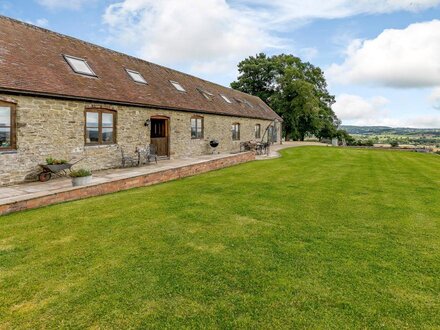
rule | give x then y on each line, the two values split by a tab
36	194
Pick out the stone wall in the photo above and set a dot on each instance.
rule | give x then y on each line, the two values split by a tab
51	127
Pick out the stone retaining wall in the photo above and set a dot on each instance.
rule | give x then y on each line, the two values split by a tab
124	184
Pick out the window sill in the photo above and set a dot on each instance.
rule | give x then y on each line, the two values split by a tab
93	146
8	152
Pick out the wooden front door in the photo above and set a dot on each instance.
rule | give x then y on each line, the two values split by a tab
160	136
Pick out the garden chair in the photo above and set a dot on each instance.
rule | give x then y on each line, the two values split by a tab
259	148
127	160
266	148
151	153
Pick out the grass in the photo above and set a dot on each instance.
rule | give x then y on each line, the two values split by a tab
321	238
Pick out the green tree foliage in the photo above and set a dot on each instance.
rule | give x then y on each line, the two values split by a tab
296	90
343	135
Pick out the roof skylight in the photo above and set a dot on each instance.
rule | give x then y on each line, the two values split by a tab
224	97
206	94
136	76
79	65
177	86
249	104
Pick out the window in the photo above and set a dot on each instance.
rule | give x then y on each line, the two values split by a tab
243	101
159	127
177	86
275	132
136	76
79	65
257	131
235	131
100	126
227	100
263	106
249	104
197	127
207	95
272	133
7	126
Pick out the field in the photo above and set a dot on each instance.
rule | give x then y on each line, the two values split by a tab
405	137
320	238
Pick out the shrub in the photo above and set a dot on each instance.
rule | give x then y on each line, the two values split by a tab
343	135
394	144
80	173
364	143
53	161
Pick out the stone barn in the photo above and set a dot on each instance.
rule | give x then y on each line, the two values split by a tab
65	98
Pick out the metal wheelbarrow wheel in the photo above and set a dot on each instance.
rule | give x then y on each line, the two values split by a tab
44	176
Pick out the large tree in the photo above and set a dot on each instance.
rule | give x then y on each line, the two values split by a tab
296	90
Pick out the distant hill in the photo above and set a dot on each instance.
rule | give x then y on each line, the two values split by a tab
382	130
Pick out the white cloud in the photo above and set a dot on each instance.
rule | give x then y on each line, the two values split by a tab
211	36
208	35
288	11
434	98
358	109
427	121
64	4
396	58
422	121
308	53
42	22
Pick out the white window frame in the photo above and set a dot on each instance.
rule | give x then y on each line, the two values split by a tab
198	120
178	86
239	101
207	95
136	76
226	99
257	136
235	130
69	61
249	104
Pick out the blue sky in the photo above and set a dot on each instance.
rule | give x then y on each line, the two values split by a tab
381	57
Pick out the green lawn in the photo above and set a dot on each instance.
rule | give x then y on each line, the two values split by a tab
320	238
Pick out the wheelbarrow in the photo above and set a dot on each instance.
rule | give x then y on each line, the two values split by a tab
55	170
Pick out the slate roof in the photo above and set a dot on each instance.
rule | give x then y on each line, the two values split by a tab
32	62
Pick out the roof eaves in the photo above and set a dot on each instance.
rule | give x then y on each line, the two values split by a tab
143	105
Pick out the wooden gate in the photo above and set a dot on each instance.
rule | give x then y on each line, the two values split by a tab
160	135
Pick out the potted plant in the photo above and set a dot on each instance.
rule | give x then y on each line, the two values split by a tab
80	177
